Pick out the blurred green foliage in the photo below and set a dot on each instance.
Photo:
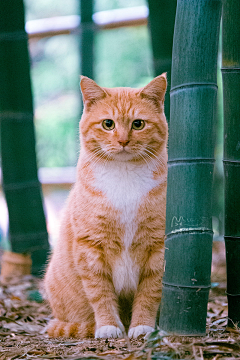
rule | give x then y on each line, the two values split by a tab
55	79
123	57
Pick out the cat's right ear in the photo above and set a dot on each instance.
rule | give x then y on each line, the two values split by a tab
91	92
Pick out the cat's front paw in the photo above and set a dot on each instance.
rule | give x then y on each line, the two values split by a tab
136	331
108	331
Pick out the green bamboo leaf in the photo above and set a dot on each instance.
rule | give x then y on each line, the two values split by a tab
156	335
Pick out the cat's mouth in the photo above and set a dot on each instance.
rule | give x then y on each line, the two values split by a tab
128	155
124	150
123	153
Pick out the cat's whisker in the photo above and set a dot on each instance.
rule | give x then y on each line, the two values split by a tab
96	160
151	150
142	157
99	153
110	148
153	161
151	153
95	152
159	159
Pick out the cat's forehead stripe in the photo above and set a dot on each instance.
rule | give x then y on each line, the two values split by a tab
123	106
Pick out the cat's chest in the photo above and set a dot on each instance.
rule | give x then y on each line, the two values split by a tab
125	185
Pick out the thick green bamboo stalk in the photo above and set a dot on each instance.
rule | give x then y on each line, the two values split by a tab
27	227
161	24
231	104
87	38
188	245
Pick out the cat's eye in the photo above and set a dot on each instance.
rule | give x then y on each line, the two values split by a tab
108	124
138	124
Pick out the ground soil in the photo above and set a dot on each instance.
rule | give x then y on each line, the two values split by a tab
23	319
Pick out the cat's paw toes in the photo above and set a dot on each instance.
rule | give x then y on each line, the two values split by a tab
136	331
108	331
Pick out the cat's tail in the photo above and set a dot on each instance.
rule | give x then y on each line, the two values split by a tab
57	328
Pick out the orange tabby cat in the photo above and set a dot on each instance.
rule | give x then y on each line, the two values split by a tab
106	269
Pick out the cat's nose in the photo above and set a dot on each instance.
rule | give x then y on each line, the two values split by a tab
123	142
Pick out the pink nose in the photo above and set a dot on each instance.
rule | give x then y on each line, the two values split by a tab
123	142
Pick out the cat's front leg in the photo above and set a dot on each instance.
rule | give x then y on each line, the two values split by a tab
104	303
147	298
101	295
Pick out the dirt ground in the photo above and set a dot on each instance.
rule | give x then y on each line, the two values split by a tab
24	317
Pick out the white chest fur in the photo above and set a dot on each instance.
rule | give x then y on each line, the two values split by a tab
125	185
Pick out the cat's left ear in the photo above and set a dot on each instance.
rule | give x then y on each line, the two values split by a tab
156	89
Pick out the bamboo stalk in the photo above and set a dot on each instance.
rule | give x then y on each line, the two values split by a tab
87	38
188	245
231	96
161	24
27	227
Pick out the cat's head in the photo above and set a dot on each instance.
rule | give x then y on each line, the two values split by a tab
124	124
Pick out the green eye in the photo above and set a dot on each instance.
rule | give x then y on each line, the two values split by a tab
138	124
108	124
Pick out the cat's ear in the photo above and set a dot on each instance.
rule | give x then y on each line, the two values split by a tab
156	89
91	91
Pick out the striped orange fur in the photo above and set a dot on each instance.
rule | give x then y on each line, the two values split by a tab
104	275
